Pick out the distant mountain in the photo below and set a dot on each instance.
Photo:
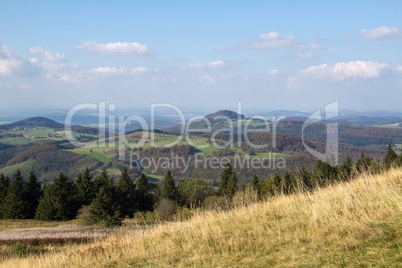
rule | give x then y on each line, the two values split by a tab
33	122
218	120
225	113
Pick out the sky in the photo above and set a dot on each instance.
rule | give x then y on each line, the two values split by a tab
291	55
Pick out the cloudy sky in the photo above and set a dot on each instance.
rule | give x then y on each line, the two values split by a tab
294	55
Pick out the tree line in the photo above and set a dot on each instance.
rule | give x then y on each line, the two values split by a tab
107	202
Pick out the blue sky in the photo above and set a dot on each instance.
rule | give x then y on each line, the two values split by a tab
295	55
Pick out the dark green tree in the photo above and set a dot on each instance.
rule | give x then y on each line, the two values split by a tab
287	183
390	157
59	200
15	205
363	163
324	173
104	209
85	188
144	197
194	192
33	192
255	183
4	184
228	182
169	189
346	169
125	189
271	186
101	180
305	178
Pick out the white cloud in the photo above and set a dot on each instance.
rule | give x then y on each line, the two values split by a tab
270	40
275	40
26	86
47	55
338	72
211	65
194	65
12	63
302	56
381	32
97	74
217	64
208	79
273	72
399	68
123	48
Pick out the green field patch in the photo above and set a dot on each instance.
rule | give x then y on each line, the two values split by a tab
92	153
154	178
112	170
24	167
394	125
268	155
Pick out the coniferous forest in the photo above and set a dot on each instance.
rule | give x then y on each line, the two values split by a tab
105	201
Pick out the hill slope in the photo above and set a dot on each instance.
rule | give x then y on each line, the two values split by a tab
33	122
350	224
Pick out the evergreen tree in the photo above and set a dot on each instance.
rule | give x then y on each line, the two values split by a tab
390	157
15	205
228	182
101	180
126	194
59	200
85	188
144	199
4	184
305	178
255	183
324	173
271	186
287	182
169	189
33	192
45	210
345	170
104	209
363	163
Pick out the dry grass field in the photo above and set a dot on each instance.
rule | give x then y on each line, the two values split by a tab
358	223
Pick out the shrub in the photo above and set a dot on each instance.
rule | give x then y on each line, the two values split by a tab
166	209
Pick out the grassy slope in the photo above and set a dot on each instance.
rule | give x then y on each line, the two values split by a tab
350	224
24	167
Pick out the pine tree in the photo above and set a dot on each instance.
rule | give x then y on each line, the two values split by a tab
305	178
4	184
15	205
345	170
144	199
45	210
100	181
324	173
363	163
104	209
59	200
85	188
33	192
255	183
287	185
126	193
271	186
169	189
228	182
390	157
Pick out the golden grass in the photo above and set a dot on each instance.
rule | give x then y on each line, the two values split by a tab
349	224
